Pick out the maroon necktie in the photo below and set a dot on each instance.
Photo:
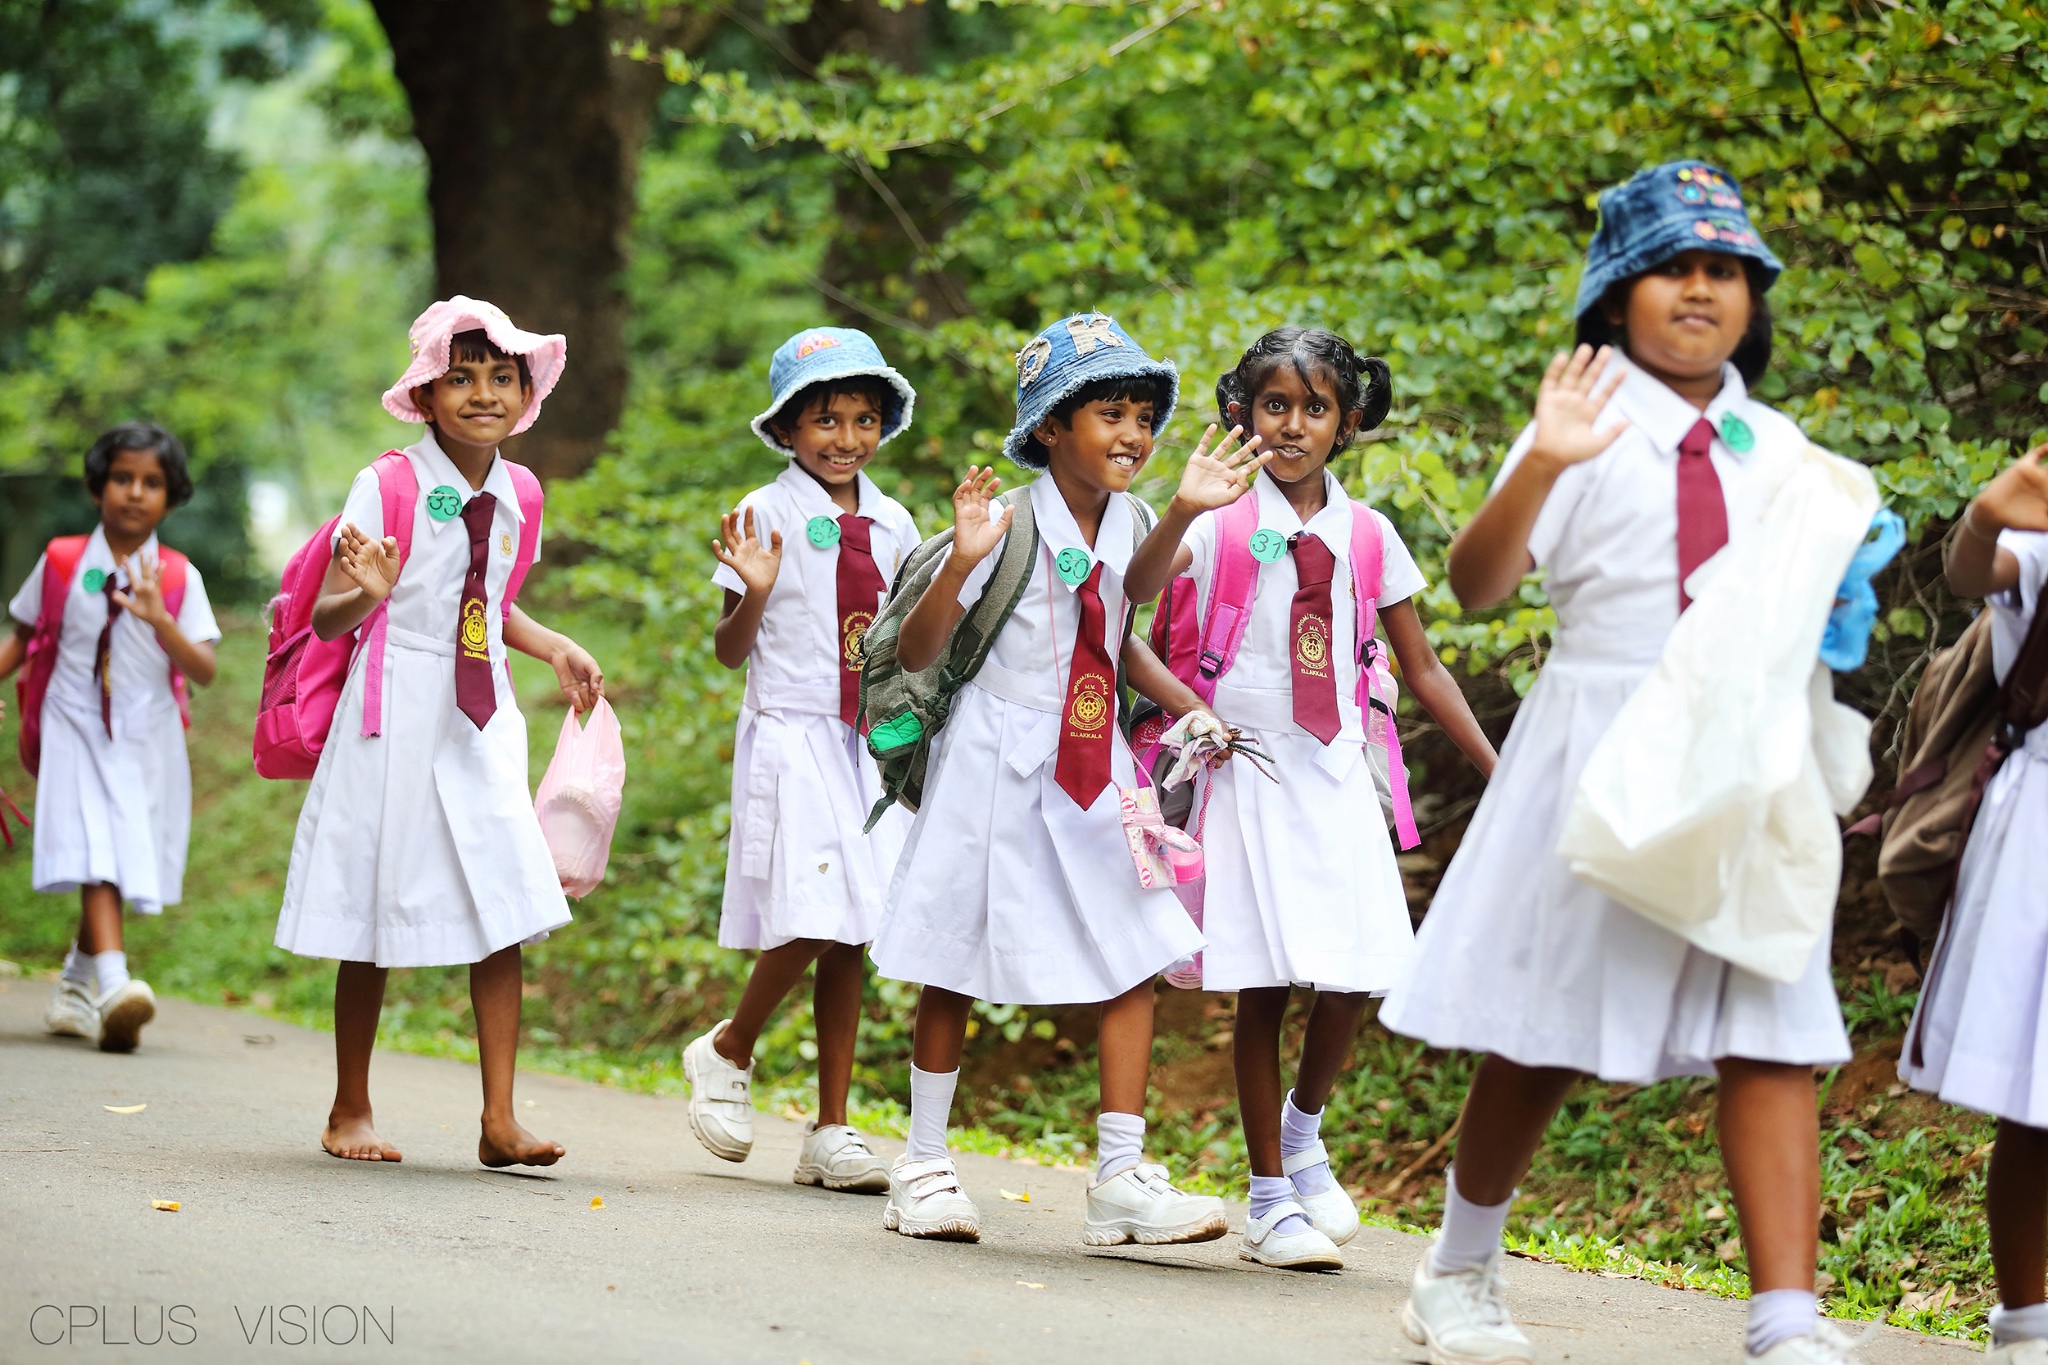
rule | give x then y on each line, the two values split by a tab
860	595
1315	676
476	691
103	660
1082	768
1702	514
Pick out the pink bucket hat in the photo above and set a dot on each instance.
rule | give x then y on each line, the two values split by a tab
441	323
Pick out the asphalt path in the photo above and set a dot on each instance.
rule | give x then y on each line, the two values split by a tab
280	1252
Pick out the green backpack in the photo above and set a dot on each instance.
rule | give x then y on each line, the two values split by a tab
905	711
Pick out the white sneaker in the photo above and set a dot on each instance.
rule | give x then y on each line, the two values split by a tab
1307	1249
1828	1345
838	1158
925	1200
721	1099
123	1014
72	1012
1461	1317
1139	1204
2019	1353
1331	1210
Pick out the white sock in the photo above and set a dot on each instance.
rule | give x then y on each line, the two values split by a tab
1271	1191
111	971
1119	1143
931	1104
2010	1325
77	966
1299	1131
1471	1232
1779	1315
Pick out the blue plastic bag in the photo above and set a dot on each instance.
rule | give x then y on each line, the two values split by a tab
1847	638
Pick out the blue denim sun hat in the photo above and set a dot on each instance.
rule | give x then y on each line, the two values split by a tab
820	353
1679	206
1071	353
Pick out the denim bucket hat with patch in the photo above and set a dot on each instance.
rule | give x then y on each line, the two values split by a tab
1071	353
1679	206
818	354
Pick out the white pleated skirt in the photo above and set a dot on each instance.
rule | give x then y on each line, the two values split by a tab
116	811
1518	957
419	847
1007	890
1980	1033
798	865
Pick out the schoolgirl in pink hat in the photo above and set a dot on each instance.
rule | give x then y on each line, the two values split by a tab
417	845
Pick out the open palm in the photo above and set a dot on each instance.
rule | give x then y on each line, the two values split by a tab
371	565
978	524
1575	389
1217	480
2018	497
741	550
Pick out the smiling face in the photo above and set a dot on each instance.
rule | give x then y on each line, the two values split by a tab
135	497
476	403
835	437
1103	445
1684	318
1298	419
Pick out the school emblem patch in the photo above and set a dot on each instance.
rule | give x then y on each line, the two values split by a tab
1031	361
853	653
476	633
1090	709
1312	645
505	543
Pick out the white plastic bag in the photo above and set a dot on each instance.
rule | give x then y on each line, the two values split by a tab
578	801
1709	805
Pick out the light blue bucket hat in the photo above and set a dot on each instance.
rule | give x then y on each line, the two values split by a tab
817	354
1660	212
1071	353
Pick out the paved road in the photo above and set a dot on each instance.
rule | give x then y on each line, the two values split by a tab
689	1259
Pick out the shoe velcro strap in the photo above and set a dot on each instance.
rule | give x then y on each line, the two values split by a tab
1307	1157
1278	1214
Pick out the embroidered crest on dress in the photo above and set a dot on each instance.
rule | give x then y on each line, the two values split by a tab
476	635
853	653
815	341
1092	331
1031	361
1312	645
1089	711
505	543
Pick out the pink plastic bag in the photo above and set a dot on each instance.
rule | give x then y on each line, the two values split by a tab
578	801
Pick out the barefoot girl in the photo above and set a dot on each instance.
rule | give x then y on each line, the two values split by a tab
1301	882
418	845
805	563
111	627
1016	883
1973	1039
1619	500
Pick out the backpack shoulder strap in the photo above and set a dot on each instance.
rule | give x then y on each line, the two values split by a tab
975	635
1232	585
401	493
1368	571
60	565
531	499
177	571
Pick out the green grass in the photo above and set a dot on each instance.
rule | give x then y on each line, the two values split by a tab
1630	1181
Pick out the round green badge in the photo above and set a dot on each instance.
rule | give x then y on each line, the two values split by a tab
1736	435
1268	545
95	580
444	503
822	532
1073	564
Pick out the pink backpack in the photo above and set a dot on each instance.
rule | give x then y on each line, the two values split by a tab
303	675
60	562
1200	653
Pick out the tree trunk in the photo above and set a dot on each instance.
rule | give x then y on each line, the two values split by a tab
532	131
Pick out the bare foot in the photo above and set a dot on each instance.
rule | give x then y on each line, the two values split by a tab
350	1136
505	1143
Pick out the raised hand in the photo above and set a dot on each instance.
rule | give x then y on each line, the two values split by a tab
741	550
1574	390
371	565
145	596
2017	499
1213	481
977	529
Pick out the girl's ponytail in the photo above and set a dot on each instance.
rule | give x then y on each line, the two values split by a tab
1378	383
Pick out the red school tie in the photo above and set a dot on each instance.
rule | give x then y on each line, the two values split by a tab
1308	629
861	587
476	691
1082	768
103	660
1702	512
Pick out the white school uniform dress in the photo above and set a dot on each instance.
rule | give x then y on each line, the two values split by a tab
1518	957
1007	889
113	810
803	781
419	847
1301	883
1980	1033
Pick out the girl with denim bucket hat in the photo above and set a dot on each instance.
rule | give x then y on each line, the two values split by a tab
805	563
1646	454
418	845
1017	882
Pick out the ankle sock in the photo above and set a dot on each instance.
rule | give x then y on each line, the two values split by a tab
1119	1143
1471	1232
78	967
1299	1131
1271	1191
2011	1325
1779	1315
110	971
931	1104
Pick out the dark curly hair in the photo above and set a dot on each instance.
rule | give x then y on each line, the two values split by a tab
1364	384
170	454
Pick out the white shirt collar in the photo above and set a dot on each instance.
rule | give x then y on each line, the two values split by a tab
812	500
1655	409
1059	531
441	472
1332	525
97	549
